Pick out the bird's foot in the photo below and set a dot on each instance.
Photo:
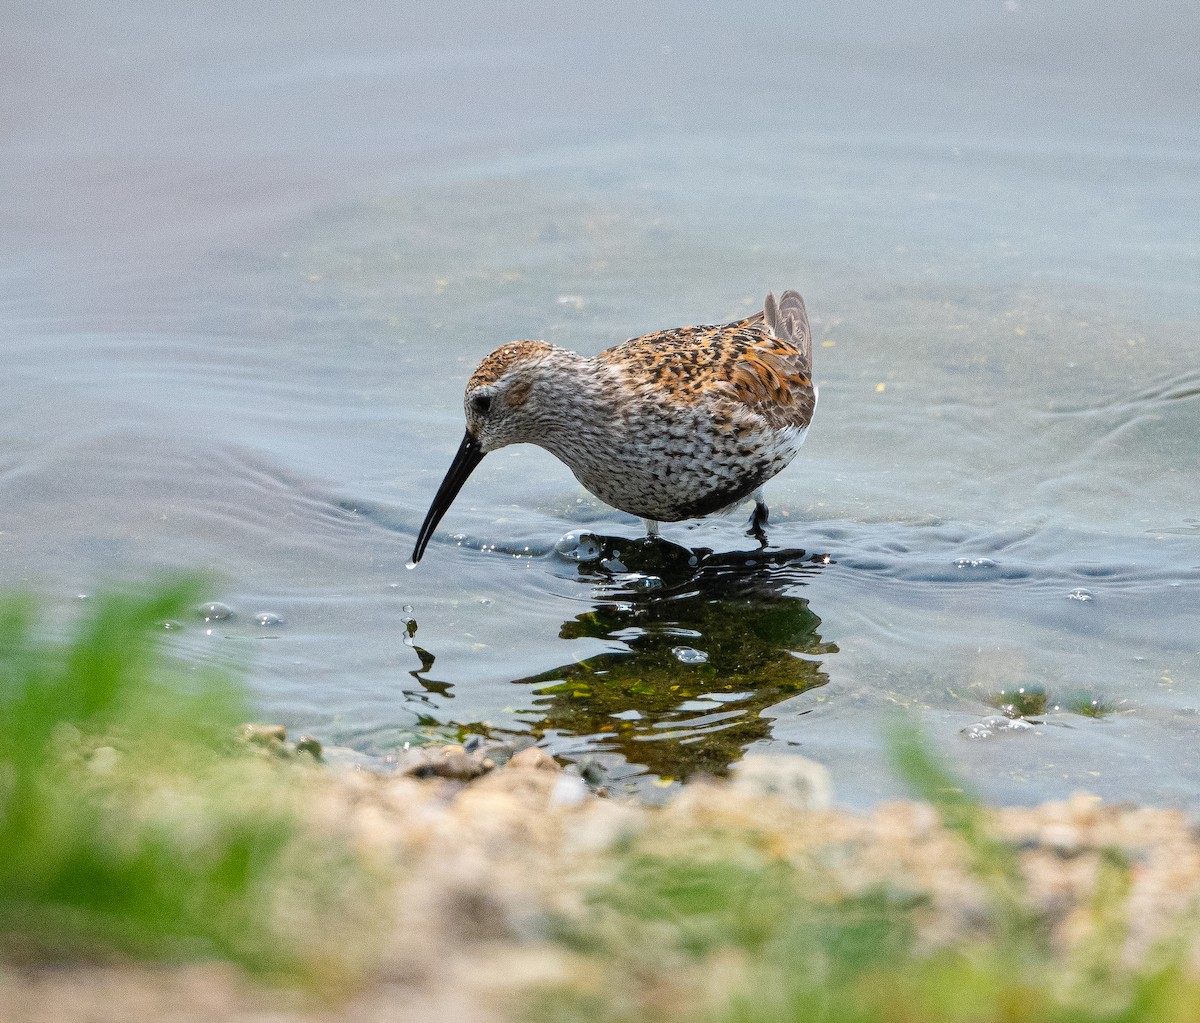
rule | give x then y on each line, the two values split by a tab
758	522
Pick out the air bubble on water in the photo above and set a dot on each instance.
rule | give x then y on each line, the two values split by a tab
215	611
579	545
1079	593
994	726
974	563
407	609
689	655
486	601
268	620
170	625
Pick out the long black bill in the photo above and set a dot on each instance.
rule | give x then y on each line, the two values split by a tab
468	456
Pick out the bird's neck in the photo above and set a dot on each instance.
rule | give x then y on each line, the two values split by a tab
573	402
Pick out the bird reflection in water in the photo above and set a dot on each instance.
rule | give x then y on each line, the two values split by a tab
711	641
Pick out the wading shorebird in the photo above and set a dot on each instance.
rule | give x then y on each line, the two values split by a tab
670	426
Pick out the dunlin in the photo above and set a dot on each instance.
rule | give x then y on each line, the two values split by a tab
670	426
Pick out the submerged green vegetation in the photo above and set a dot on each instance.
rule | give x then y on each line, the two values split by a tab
132	825
1034	702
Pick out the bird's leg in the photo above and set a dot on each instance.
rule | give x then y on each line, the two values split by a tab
758	518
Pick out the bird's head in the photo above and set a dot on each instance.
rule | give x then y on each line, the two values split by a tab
499	411
497	400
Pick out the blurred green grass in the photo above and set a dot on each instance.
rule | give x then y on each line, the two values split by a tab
746	936
129	823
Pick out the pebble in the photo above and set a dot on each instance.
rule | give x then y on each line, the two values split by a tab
592	772
103	760
569	790
262	735
307	744
452	762
798	781
534	758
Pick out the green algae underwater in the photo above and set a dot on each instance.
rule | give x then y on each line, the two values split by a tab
701	646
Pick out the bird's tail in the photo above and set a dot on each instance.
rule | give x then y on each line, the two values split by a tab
787	319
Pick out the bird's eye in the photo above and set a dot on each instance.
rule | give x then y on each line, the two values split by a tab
480	403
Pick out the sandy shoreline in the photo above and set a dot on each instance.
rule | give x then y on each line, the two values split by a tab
477	871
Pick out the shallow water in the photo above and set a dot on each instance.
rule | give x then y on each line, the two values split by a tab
250	262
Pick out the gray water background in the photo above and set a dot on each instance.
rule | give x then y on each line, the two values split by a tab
248	257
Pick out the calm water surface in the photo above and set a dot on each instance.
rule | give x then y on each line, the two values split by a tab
248	263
